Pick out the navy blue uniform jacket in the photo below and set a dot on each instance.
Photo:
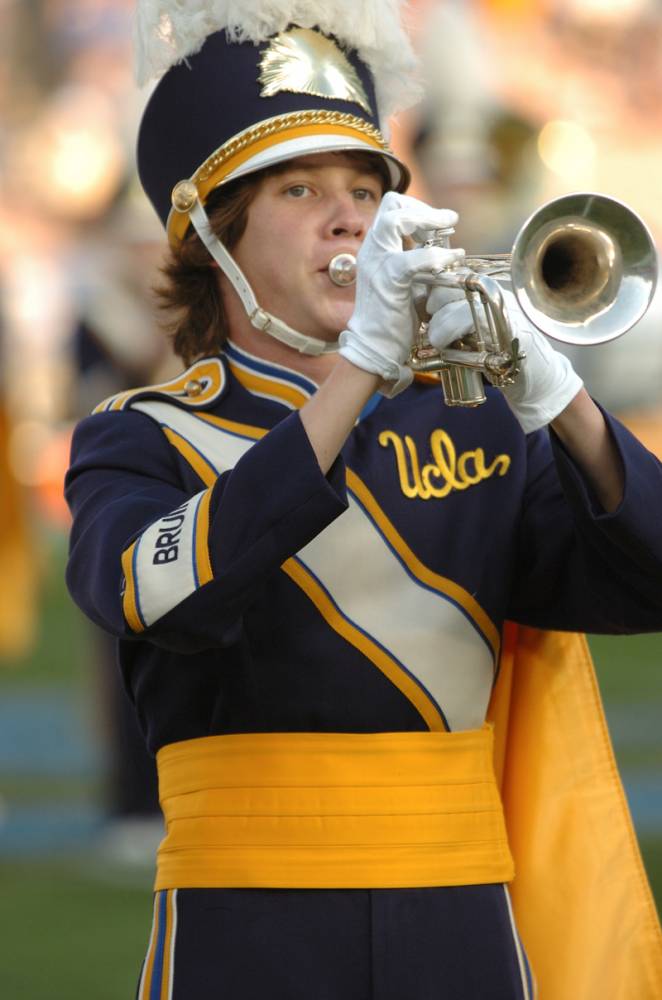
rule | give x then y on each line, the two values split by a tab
250	593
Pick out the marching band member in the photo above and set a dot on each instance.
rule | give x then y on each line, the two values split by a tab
309	562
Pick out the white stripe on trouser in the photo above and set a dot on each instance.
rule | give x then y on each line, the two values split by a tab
173	938
521	957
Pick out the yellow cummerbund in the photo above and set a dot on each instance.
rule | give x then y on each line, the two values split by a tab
331	811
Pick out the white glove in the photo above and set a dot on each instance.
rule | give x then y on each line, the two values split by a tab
450	316
380	331
547	381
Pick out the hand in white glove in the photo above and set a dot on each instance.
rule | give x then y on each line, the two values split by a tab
380	331
547	381
450	316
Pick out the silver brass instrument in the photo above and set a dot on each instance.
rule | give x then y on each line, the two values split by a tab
583	268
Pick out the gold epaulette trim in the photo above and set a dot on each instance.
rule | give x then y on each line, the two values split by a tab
200	385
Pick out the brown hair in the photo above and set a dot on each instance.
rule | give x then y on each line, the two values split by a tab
190	291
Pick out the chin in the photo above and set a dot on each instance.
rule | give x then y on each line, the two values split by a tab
337	320
328	329
326	322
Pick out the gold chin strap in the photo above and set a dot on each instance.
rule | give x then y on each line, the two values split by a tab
260	318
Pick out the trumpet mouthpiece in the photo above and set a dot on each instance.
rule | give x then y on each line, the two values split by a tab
342	269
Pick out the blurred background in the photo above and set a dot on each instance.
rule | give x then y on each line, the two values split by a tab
525	101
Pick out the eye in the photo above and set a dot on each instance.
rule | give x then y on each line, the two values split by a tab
297	190
365	194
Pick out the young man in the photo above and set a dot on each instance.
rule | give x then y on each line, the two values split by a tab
308	560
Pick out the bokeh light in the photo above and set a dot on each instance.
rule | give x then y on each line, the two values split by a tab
568	149
71	155
606	8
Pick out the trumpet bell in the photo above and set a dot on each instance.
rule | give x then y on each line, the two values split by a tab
584	268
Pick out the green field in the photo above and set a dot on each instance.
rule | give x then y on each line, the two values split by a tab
71	930
74	926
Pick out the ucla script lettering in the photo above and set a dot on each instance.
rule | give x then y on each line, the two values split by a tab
447	471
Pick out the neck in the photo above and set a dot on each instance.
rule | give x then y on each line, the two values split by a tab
263	346
245	335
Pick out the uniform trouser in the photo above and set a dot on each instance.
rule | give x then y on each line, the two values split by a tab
455	943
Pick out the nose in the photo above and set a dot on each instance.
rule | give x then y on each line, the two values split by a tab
346	218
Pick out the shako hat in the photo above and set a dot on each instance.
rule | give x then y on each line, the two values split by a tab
246	85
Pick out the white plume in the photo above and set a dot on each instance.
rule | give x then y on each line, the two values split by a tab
167	31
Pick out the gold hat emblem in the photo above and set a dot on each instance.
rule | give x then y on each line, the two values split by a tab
303	61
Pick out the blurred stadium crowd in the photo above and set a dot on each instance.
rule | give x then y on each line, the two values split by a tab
525	100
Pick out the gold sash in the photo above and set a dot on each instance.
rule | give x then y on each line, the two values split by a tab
331	810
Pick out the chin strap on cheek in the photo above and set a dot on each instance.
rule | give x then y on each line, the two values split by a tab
260	318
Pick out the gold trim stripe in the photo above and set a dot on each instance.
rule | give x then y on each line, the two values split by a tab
243	430
261	384
194	458
202	560
421	572
146	981
212	371
129	602
370	649
203	569
267	134
158	975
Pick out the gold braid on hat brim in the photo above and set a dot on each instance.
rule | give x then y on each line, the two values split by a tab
232	154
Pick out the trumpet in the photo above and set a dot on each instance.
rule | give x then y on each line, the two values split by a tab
583	268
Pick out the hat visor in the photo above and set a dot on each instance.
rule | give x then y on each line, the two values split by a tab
288	148
309	145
